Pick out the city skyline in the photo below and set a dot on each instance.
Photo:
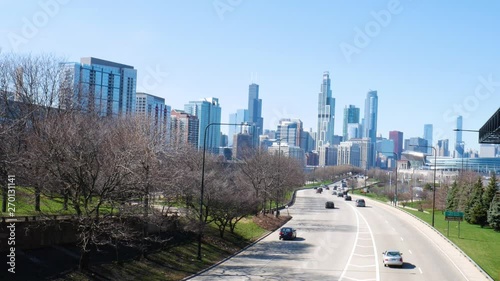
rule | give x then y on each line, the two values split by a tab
425	69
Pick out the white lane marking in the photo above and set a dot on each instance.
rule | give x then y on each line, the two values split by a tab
363	256
370	265
363	246
401	238
409	251
393	229
420	270
377	267
353	247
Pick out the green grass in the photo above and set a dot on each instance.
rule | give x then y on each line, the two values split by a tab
25	204
371	195
178	260
480	244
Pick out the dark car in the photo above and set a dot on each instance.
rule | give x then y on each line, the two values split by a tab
288	233
348	198
360	203
340	194
319	190
329	205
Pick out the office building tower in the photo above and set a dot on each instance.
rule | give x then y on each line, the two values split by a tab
416	144
242	145
255	113
442	147
353	131
208	111
307	141
290	131
397	138
428	137
349	153
240	117
364	150
459	144
351	116
370	124
95	85
184	128
156	112
326	113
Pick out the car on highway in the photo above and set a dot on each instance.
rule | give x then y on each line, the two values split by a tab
360	203
319	190
288	233
340	194
392	258
329	205
348	198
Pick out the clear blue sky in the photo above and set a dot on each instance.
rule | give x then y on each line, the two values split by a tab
425	61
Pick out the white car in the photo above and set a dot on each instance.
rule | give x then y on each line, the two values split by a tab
393	257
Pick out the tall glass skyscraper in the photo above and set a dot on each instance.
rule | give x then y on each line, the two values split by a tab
326	113
459	145
241	116
351	116
255	112
208	111
95	85
370	124
428	137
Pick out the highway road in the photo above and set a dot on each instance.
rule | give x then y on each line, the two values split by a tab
346	243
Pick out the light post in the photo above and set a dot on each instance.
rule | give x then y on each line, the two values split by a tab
279	164
434	184
396	181
203	179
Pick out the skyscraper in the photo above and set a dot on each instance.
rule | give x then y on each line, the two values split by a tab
351	116
208	111
370	125
184	128
157	113
95	85
397	138
428	137
255	112
240	117
290	131
326	113
459	145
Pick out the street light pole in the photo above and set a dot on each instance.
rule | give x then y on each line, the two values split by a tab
203	180
434	179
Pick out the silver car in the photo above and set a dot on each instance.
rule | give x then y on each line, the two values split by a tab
393	258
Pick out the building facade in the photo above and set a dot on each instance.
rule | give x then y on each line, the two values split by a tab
184	128
351	116
397	138
370	124
99	86
240	117
428	137
255	112
208	112
326	113
156	112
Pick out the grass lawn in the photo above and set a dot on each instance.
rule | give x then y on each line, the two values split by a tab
480	244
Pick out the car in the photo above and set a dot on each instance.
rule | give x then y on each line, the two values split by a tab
329	205
327	188
348	198
340	194
288	233
392	258
319	190
334	192
360	203
335	187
